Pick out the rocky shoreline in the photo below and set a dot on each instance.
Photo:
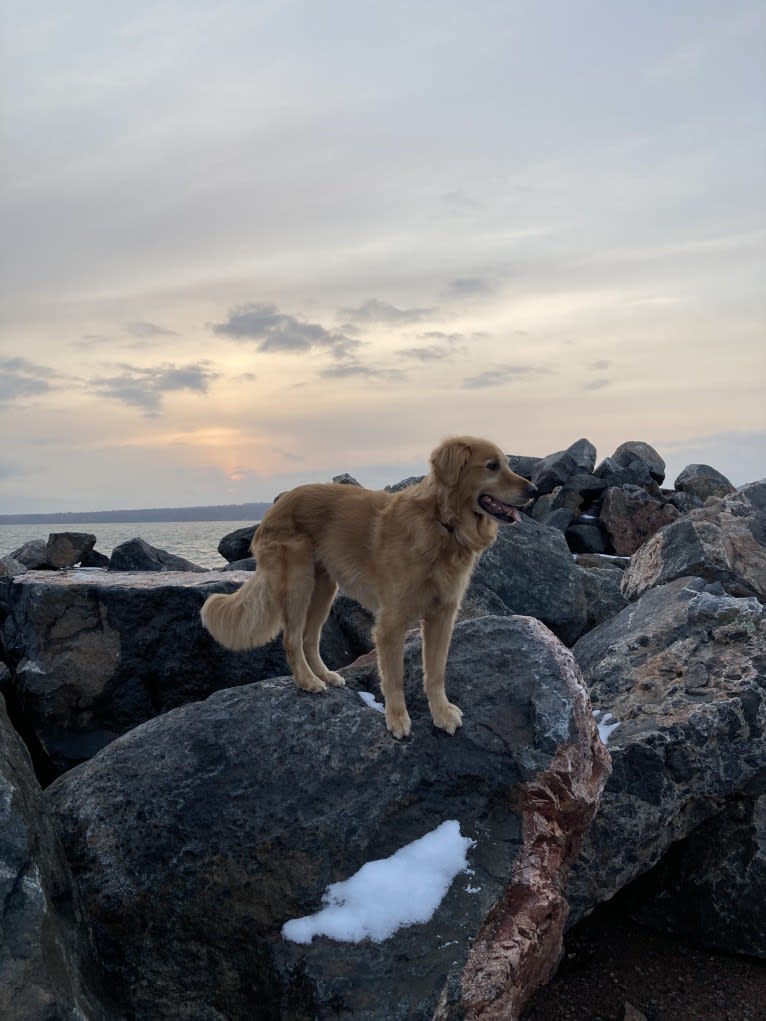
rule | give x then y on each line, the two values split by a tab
195	801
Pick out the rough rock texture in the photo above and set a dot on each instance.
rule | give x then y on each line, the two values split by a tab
198	835
703	482
725	542
531	570
636	450
64	549
555	469
139	555
711	887
32	554
44	950
93	654
630	516
10	568
683	670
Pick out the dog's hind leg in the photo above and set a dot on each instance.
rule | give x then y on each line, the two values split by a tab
389	641
437	632
322	597
298	595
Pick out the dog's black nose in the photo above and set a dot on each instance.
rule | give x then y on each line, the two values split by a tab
531	490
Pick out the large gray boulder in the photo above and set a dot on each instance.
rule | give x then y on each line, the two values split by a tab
710	888
637	450
93	654
531	570
139	555
683	673
45	954
64	549
556	469
630	516
724	542
702	481
198	835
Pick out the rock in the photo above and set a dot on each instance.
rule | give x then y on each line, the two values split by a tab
634	473
584	454
600	560
631	1013
11	568
703	482
683	672
248	564
587	537
724	543
588	487
95	559
45	955
138	555
630	516
602	591
405	483
685	502
635	450
710	888
531	569
197	836
521	465
559	519
236	545
345	480
555	469
32	554
65	549
94	654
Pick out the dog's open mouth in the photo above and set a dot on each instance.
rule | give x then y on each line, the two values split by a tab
498	509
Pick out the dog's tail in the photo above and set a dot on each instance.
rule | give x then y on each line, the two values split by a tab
245	619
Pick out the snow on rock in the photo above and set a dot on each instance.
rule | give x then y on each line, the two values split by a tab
389	893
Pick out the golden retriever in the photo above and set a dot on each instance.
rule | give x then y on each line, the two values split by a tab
407	556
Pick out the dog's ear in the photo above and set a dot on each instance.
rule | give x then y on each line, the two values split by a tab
449	459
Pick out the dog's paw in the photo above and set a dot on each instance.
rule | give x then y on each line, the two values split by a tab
334	679
449	717
312	684
398	723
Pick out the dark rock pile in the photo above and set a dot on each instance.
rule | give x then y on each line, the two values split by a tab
213	802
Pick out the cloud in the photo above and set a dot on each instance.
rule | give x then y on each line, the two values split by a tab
20	378
469	287
445	345
374	311
273	330
350	369
143	330
601	364
597	384
502	374
145	388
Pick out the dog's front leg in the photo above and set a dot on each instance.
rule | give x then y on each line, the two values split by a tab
389	641
437	632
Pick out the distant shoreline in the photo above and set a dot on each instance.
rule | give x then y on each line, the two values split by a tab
224	512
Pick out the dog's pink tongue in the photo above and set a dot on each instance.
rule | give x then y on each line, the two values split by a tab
514	514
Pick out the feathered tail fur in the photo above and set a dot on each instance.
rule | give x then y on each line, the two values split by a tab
245	619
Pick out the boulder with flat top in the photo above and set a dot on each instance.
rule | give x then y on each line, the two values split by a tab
196	837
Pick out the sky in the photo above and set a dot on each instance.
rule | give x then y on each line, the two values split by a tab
251	244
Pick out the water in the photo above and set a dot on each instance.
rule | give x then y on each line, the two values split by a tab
195	540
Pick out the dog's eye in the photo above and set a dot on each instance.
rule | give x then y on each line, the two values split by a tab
492	466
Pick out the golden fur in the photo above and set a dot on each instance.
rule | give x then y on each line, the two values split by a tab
407	556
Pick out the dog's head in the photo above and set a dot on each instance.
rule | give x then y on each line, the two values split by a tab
477	475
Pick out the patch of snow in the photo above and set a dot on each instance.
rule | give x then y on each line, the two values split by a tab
390	893
605	724
369	699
